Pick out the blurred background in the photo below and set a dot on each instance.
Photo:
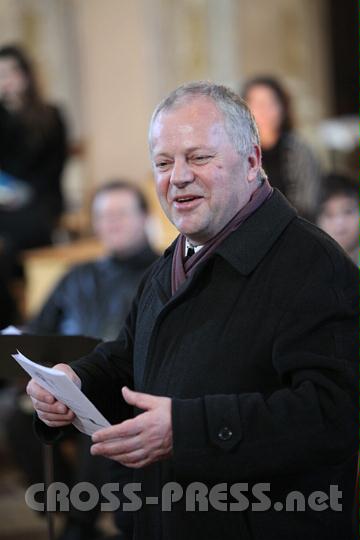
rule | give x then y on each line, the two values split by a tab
105	64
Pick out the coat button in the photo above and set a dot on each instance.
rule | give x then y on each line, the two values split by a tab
225	433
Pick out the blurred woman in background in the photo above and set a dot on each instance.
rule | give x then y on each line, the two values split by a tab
289	163
32	156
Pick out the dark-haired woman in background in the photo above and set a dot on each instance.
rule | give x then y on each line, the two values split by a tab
288	161
32	156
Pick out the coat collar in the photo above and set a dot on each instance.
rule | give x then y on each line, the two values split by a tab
246	247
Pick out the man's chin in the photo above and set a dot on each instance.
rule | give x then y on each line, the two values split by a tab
195	235
187	229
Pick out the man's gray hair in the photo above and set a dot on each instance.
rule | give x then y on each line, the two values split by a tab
239	122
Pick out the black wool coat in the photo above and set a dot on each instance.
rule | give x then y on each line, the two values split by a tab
258	352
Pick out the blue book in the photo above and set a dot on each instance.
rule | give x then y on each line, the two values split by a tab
14	192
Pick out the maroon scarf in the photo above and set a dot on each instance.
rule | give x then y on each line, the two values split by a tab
180	270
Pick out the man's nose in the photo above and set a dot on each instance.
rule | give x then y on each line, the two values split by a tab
181	173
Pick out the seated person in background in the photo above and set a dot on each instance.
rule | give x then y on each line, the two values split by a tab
32	156
288	161
93	299
339	214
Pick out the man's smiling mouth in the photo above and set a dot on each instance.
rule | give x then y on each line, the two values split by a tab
187	202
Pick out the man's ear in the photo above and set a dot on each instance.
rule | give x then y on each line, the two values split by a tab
254	162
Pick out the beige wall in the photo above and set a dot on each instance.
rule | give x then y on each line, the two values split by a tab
288	38
110	61
134	52
114	80
131	54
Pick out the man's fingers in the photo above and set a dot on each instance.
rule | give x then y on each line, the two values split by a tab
48	409
35	391
141	440
69	372
56	423
135	459
131	458
117	446
55	408
49	417
138	399
133	464
128	428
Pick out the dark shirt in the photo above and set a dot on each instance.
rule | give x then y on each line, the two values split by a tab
94	298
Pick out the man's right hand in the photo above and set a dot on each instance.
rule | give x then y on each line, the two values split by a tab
51	411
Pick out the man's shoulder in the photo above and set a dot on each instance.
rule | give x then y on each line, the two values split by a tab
81	270
101	268
312	237
309	245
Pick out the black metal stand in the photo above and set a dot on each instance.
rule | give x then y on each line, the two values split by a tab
49	478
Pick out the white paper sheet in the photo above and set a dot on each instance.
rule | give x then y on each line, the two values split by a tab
88	418
11	331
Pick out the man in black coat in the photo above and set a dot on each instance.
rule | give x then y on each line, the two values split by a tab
238	354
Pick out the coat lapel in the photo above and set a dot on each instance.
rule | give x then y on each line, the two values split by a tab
243	249
247	246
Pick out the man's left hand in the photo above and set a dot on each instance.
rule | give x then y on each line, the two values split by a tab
141	440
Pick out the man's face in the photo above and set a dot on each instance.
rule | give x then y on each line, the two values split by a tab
118	222
201	180
340	219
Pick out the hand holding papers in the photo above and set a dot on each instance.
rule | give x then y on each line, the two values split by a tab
88	419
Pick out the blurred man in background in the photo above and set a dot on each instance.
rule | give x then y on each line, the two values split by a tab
94	298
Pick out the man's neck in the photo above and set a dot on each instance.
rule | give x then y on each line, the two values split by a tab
191	244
